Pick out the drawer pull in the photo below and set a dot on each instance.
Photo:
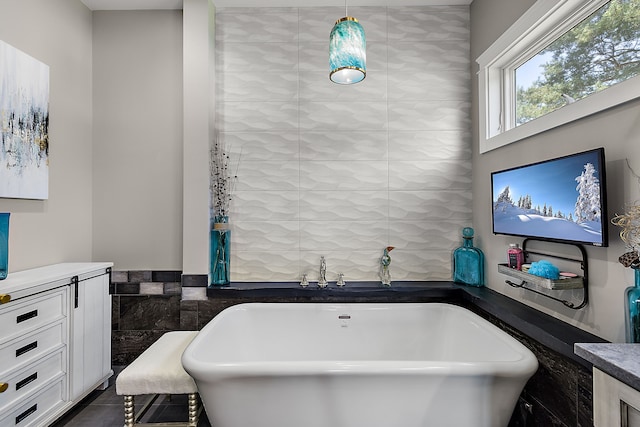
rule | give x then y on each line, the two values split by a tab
27	348
26	413
3	387
27	316
5	298
31	378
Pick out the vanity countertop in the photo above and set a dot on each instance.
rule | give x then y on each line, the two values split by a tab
621	361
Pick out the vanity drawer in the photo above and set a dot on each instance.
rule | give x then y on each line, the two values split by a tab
27	349
26	314
33	410
28	380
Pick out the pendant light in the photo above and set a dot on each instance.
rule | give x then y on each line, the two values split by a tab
347	51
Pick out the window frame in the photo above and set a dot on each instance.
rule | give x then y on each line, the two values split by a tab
544	22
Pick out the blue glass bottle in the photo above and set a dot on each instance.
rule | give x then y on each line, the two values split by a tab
632	310
4	245
468	261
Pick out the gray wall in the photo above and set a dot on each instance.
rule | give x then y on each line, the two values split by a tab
137	135
57	33
618	130
344	171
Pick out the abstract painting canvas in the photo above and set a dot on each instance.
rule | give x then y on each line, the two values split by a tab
24	125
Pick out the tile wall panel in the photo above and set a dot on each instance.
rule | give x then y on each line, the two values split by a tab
270	175
427	235
343	171
429	115
344	176
247	27
428	23
436	205
263	146
342	235
437	55
340	116
430	145
271	266
429	175
267	86
316	86
430	85
344	205
343	145
265	206
250	116
258	57
269	236
316	23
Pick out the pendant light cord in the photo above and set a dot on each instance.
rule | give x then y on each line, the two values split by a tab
346	12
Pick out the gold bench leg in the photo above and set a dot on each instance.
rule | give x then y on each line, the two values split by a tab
133	420
194	409
129	418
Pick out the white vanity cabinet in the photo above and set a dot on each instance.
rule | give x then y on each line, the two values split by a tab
90	310
614	402
55	348
616	382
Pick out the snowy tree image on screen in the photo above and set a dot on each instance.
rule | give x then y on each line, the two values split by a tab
558	200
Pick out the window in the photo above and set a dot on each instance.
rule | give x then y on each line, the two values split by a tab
561	61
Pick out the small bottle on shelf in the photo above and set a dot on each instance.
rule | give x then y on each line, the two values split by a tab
515	256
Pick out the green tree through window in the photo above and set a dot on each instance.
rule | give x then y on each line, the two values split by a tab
601	51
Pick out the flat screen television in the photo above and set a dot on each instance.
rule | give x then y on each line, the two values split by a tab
562	200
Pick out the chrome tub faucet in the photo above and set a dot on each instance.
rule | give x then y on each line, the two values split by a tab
322	280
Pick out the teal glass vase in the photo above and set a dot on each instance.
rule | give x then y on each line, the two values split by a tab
219	252
468	261
4	245
632	310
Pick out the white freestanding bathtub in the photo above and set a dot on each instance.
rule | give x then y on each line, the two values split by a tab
356	365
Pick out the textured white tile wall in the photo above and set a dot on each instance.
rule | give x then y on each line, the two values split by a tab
344	171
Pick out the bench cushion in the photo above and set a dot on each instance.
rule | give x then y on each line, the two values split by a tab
158	370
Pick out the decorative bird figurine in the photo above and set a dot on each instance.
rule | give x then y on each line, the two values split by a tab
385	261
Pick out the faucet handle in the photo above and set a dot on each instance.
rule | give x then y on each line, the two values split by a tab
304	282
341	281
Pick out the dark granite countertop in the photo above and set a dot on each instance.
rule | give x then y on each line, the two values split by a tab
621	361
547	330
349	293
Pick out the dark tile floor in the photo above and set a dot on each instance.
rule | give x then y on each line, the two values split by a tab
104	408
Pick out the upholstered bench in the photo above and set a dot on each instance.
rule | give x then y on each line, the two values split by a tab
158	370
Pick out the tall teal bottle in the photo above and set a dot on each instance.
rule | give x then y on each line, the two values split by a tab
4	244
632	310
219	251
468	261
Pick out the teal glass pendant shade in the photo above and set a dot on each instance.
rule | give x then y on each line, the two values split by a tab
347	52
